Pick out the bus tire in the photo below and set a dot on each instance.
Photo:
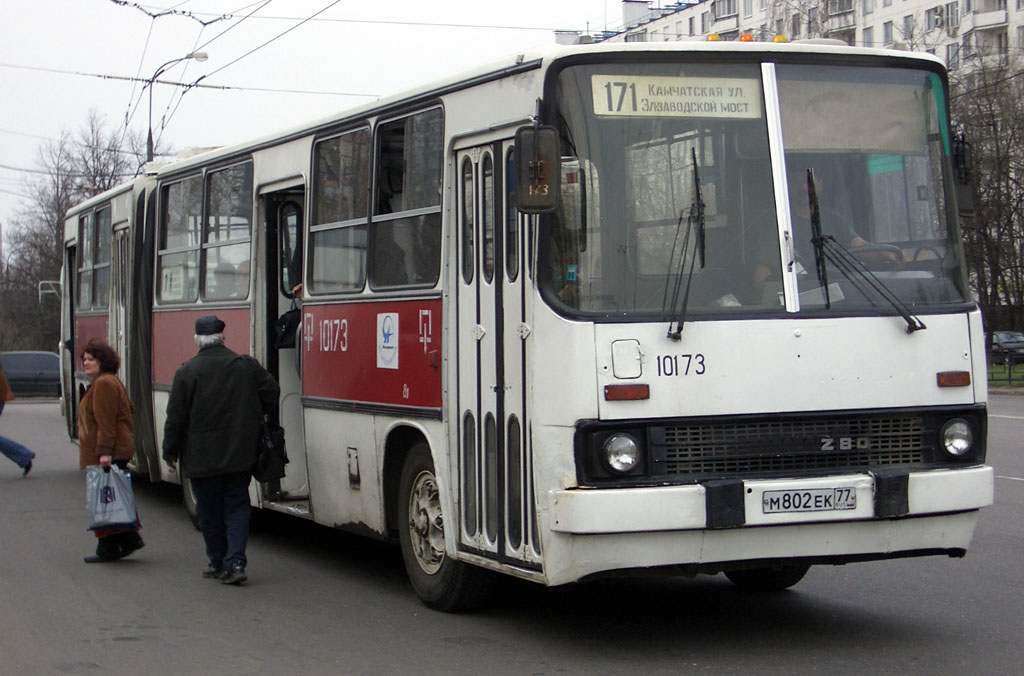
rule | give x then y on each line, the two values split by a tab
767	579
440	582
188	498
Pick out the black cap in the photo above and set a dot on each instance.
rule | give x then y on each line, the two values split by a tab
209	325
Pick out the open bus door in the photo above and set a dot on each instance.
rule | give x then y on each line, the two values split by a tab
283	213
69	398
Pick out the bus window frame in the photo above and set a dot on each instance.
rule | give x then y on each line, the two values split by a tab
162	216
286	287
88	255
379	218
313	227
205	244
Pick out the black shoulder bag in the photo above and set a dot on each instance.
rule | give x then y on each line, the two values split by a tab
285	328
271	453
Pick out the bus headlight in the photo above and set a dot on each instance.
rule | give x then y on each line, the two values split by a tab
621	453
957	437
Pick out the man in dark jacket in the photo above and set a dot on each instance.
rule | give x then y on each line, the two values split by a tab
214	415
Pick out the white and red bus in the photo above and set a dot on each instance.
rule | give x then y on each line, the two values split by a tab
565	316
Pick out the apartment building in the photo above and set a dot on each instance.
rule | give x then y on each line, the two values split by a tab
953	31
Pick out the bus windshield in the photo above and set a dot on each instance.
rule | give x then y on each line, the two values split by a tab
695	224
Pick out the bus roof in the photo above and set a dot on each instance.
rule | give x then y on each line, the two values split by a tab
529	60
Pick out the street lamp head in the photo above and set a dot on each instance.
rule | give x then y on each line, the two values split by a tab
196	56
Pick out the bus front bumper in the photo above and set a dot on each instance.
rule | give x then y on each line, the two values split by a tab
837	519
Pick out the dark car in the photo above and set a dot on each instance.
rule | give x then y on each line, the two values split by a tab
1008	344
32	373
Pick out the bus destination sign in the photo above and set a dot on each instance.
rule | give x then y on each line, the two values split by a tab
642	96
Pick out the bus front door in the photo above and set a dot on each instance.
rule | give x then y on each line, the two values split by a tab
496	512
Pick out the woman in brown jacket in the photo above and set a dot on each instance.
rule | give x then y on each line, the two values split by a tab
106	436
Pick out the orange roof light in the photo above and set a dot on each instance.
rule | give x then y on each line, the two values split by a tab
779	38
714	37
746	37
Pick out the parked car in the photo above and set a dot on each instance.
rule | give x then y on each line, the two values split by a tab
32	373
1008	344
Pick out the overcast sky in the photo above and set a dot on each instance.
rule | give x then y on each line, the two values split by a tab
51	51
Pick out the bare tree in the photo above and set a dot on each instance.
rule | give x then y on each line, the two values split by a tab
988	105
71	169
104	157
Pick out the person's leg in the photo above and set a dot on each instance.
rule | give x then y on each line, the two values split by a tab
236	516
209	492
16	452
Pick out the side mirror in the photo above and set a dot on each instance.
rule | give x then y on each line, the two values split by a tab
963	162
538	170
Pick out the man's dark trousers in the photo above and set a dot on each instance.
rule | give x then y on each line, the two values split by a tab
222	504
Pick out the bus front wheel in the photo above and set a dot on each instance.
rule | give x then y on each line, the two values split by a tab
440	582
767	579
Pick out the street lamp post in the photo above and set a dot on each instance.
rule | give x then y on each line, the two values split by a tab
198	56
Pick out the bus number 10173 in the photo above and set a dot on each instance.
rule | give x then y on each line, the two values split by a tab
680	364
334	335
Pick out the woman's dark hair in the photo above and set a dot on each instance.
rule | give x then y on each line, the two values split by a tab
104	354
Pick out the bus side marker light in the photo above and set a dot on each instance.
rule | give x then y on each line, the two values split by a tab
626	392
953	378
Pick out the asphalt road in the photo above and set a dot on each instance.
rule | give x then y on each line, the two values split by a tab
322	602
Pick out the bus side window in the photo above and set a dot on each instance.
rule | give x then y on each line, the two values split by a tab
405	233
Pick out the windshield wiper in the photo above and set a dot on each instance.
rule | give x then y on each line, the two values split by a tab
826	248
816	239
695	216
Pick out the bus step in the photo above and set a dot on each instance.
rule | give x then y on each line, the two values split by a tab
298	508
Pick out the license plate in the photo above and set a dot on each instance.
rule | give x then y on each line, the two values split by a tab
809	500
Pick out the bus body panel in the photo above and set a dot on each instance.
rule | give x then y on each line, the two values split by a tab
344	475
378	353
88	327
174	343
807	364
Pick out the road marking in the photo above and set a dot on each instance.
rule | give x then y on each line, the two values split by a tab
1008	417
1011	478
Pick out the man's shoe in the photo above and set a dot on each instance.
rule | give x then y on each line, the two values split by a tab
234	575
92	558
212	573
28	468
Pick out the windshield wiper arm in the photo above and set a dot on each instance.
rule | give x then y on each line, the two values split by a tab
858	273
816	239
695	216
826	248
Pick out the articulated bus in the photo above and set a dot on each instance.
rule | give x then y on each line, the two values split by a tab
592	310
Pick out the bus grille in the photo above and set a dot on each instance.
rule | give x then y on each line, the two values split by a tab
771	447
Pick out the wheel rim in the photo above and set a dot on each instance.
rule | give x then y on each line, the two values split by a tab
426	525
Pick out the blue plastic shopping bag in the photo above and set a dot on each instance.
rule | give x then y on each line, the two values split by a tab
109	497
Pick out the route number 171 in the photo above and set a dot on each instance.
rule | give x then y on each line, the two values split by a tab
616	93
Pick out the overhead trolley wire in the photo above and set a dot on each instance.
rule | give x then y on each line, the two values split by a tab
276	37
175	83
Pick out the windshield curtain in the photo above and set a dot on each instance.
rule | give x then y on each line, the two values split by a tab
635	235
880	159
